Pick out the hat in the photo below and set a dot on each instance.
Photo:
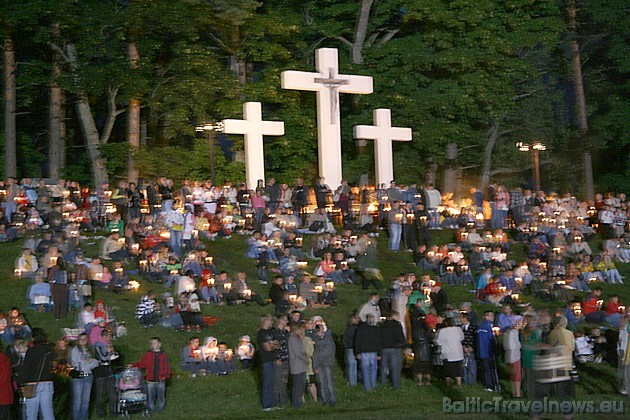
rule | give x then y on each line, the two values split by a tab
245	338
167	294
99	319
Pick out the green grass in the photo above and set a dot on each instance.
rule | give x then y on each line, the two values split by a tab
237	396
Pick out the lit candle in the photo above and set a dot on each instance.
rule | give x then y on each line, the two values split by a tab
135	247
298	241
292	298
515	297
209	260
143	264
330	285
17	272
302	264
496	330
134	285
173	272
53	260
319	289
227	286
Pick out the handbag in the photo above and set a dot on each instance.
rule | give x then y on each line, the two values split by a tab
29	389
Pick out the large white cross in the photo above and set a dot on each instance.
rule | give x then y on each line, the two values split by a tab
382	133
253	127
327	83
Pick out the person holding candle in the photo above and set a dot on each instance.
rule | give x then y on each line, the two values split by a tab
394	222
486	351
192	360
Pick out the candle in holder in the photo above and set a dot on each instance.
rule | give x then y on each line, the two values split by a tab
302	264
121	240
622	308
515	297
53	260
247	292
319	289
143	264
600	302
211	281
298	241
518	280
450	269
344	264
134	285
464	268
173	272
227	286
292	298
135	247
330	285
17	272
209	260
496	330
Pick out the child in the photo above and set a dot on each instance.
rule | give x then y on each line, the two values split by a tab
290	285
245	352
157	371
225	359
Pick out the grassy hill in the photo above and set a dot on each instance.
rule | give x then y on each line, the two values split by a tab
237	396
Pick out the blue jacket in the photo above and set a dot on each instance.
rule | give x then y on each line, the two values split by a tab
485	340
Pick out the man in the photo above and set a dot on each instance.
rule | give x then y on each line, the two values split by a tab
486	343
267	345
113	247
157	371
298	362
298	198
392	343
321	192
281	376
470	364
174	219
147	310
367	347
273	192
561	337
399	307
370	308
394	220
439	298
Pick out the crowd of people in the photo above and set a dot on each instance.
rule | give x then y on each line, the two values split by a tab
157	236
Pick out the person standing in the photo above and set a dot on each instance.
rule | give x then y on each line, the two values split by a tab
367	347
58	279
298	198
6	387
82	362
37	368
348	344
322	190
267	346
105	354
394	219
323	362
470	363
450	341
297	364
486	343
392	343
281	376
157	371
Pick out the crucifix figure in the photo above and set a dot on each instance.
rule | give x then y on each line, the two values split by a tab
253	127
382	133
327	83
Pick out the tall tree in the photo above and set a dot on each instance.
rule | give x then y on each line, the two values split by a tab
10	133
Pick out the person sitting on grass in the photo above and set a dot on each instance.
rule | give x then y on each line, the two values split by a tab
147	310
192	360
39	295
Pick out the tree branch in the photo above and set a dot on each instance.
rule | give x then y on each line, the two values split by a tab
343	40
390	34
112	113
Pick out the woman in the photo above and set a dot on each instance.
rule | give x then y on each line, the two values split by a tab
450	340
58	279
37	368
81	381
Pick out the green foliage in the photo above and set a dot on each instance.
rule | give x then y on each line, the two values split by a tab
29	158
178	163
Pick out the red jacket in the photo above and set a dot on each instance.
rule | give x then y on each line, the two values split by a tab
6	388
148	364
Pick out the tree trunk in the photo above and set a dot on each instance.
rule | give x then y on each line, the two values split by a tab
56	143
133	120
580	103
486	165
360	31
88	126
10	135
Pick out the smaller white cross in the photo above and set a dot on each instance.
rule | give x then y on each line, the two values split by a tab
382	133
253	128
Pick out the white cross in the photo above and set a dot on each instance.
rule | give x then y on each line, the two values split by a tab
328	84
253	127
382	133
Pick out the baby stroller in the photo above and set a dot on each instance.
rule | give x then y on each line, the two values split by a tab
131	392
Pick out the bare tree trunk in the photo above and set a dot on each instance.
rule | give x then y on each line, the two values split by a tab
486	165
360	31
580	103
56	149
133	120
10	134
88	126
